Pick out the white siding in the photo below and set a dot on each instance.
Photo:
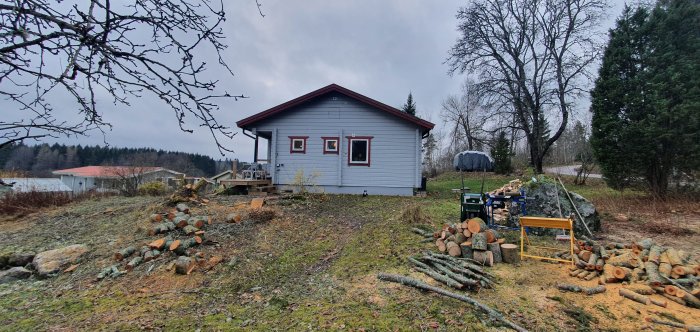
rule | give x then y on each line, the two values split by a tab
395	147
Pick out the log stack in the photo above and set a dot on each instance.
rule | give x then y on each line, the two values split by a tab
178	233
645	265
471	239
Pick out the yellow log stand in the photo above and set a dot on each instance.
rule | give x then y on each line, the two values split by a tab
541	222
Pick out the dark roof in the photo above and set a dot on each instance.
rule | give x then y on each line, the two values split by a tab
328	89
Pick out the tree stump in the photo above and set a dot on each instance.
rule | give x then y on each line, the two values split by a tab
483	257
510	253
184	265
476	225
495	249
479	241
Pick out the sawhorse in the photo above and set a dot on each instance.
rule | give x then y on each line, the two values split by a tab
541	222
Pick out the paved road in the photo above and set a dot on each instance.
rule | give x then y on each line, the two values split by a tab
568	170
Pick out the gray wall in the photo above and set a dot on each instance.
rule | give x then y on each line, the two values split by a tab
395	147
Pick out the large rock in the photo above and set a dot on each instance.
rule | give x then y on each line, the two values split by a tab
50	262
20	258
542	201
15	273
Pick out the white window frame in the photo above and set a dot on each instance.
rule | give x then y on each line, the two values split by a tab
368	157
326	150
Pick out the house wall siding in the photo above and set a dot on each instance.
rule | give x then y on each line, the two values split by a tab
395	146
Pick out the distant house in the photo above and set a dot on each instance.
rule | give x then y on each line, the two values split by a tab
338	141
110	178
21	185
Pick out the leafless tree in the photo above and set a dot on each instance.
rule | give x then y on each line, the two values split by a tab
465	117
533	57
123	49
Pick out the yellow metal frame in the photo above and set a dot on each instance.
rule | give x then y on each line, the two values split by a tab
541	222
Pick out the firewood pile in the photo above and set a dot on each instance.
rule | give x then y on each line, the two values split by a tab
646	267
189	193
455	272
512	187
472	240
181	233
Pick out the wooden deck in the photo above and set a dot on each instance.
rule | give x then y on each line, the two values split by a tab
244	182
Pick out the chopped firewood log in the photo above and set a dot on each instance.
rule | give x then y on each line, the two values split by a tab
467	251
156	217
603	253
181	221
683	270
182	207
460	238
495	249
634	296
134	263
453	249
171	215
420	285
124	253
695	292
627	259
591	262
622	273
213	261
440	243
591	275
510	253
184	265
609	273
690	300
157	244
575	272
670	290
673	257
674	299
585	255
653	276
579	289
162	228
658	302
189	229
655	253
174	245
198	221
467	233
491	235
665	269
455	276
641	289
483	257
479	241
476	225
599	264
148	256
501	241
642	245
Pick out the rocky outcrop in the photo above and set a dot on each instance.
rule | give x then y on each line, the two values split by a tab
50	262
15	273
542	201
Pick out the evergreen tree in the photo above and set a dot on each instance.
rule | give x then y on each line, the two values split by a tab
501	154
645	121
410	106
430	149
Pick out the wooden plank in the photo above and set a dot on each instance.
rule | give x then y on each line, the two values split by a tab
560	223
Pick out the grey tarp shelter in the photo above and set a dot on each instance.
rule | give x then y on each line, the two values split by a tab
473	161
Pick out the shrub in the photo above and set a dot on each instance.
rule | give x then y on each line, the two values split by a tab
152	188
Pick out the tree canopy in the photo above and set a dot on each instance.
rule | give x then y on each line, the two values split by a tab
646	124
87	50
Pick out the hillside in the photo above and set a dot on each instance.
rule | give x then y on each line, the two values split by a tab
313	266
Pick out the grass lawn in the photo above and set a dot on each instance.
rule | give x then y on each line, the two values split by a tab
313	267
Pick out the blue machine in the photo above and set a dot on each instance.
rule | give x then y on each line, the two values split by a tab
503	201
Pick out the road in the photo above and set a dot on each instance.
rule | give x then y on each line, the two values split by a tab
568	170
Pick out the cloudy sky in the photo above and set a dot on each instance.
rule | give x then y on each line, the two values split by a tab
382	49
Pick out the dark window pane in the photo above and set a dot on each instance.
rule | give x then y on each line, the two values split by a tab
298	144
359	151
332	145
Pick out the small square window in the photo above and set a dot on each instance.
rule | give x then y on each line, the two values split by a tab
359	149
297	144
330	145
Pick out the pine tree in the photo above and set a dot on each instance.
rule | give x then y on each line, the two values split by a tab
645	121
501	154
410	106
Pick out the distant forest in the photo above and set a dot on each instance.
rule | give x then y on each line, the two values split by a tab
40	160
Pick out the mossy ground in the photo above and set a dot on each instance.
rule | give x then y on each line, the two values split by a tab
313	267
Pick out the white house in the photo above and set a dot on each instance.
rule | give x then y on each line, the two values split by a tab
338	141
108	178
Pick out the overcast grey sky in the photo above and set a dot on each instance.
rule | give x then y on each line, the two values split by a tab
382	49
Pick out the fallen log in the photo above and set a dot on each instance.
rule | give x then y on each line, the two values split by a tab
641	289
660	303
591	275
674	299
634	296
662	322
124	253
579	289
461	279
441	278
420	285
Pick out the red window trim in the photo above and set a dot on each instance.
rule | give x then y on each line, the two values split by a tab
369	149
331	138
291	143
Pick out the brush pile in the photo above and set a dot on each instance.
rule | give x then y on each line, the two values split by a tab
646	266
455	272
189	193
181	232
472	240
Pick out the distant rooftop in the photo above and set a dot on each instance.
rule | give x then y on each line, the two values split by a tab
37	184
109	171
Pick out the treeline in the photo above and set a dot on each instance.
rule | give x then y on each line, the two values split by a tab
40	160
